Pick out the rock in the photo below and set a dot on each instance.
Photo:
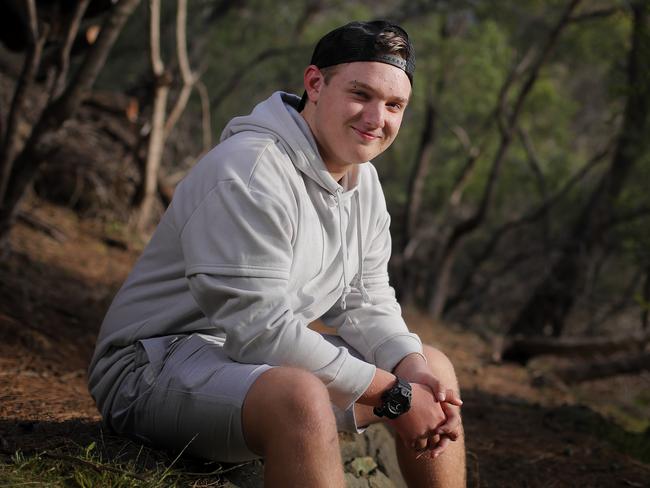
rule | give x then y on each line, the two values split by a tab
362	466
381	447
380	480
352	481
370	462
352	446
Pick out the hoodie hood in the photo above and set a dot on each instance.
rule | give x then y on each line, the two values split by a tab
278	116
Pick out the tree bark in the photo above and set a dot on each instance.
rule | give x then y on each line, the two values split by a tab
553	299
33	153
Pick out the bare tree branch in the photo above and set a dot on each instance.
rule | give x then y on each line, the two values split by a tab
533	161
157	135
24	83
189	78
29	159
596	14
205	115
64	52
238	75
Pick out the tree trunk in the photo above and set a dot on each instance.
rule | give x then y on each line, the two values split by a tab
33	153
553	299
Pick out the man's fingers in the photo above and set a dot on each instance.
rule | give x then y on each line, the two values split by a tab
452	432
442	445
451	426
452	397
420	444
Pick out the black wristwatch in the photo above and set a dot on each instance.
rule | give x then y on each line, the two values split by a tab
396	400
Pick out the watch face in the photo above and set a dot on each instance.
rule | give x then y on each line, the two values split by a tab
395	407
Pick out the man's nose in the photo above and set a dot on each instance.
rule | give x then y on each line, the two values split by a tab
375	115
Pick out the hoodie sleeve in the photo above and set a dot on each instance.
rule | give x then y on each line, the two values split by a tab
376	329
238	254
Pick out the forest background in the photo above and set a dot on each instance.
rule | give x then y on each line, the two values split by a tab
518	186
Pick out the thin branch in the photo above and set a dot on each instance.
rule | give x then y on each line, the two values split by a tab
156	141
64	53
155	57
189	78
645	305
595	14
205	115
497	114
533	161
627	298
237	75
639	212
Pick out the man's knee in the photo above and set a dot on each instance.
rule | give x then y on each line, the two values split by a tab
287	402
441	365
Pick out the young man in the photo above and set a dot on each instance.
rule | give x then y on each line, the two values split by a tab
210	344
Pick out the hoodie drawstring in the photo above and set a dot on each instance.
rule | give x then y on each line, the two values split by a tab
365	298
358	281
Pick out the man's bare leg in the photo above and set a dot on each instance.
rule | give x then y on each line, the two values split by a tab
448	469
288	420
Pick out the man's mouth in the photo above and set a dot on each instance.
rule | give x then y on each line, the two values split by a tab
368	136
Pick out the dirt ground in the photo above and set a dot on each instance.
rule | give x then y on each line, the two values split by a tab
54	292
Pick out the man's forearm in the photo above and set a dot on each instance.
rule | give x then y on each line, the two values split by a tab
381	382
383	379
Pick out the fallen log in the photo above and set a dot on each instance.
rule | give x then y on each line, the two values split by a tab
522	349
604	368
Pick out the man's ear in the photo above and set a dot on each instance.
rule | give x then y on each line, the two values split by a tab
314	81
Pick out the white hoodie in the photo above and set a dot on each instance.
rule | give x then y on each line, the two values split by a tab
258	242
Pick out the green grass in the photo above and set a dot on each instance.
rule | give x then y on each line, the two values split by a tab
89	466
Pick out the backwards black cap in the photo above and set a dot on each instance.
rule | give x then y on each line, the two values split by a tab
363	41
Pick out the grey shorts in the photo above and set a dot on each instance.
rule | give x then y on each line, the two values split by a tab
184	393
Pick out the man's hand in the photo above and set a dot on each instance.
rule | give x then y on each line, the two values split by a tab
443	406
414	369
417	426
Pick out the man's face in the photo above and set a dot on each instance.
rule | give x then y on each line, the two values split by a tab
358	113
